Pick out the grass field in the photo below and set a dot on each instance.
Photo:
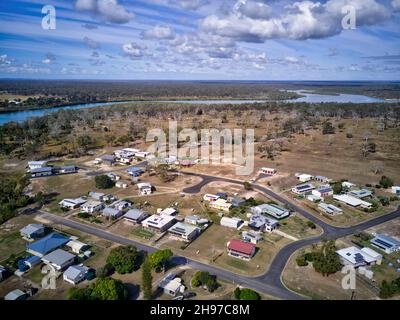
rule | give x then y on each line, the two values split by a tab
139	232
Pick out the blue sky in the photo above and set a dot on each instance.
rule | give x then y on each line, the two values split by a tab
201	39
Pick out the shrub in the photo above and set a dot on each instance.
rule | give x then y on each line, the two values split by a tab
301	261
124	259
106	271
237	293
311	225
248	294
103	182
386	182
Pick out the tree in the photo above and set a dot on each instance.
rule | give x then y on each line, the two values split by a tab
248	294
237	293
147	280
103	182
337	187
160	258
80	294
247	185
106	271
325	260
109	289
386	182
327	128
205	279
124	259
301	261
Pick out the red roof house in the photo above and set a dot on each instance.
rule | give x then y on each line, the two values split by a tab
240	249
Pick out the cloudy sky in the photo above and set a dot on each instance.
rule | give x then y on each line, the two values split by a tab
201	39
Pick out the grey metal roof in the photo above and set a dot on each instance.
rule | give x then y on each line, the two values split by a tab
74	272
135	214
58	257
32	228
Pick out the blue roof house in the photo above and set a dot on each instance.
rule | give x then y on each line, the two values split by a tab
47	244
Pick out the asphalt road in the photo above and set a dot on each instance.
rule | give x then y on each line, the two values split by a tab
270	282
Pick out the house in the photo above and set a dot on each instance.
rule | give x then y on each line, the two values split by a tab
96	195
33	231
108	197
142	154
273	210
323	192
240	249
125	154
396	190
361	194
268	171
303	177
355	257
322	179
158	223
59	259
171	285
121	204
252	237
348	185
135	171
16	294
168	212
303	188
31	261
42	172
185	163
65	169
77	246
193	220
3	273
145	188
113	176
386	243
72	203
112	213
237	202
184	231
75	274
260	222
222	195
210	197
377	256
122	184
313	198
135	215
47	244
32	165
108	159
329	208
221	204
352	201
234	222
92	206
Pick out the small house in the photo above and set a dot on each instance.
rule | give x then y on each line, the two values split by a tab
355	257
268	171
77	246
32	165
304	177
221	204
108	159
145	188
171	285
122	184
92	206
237	202
135	215
329	208
234	222
240	249
210	197
96	195
303	188
361	194
271	209
42	172
59	259
33	231
113	176
168	212
396	190
71	204
47	244
16	294
65	169
322	179
75	274
263	223
112	213
252	237
386	243
352	201
159	223
135	171
184	232
322	192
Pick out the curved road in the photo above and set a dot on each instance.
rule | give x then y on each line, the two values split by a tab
270	282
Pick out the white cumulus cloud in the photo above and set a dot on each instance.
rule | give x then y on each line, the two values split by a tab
108	10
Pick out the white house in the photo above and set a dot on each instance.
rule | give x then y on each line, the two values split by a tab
352	201
168	212
72	203
303	188
75	274
33	231
221	204
303	177
268	171
59	259
77	246
355	257
234	222
271	209
145	188
184	231
122	184
159	223
348	185
322	192
329	208
37	164
92	206
172	285
396	190
252	237
261	222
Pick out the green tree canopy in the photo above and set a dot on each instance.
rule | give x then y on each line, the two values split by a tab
103	182
124	259
248	294
147	280
386	182
109	289
160	258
